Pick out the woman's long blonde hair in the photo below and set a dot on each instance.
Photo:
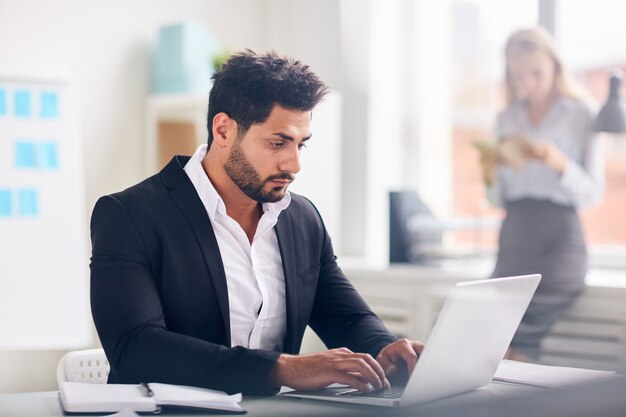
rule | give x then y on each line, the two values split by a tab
538	39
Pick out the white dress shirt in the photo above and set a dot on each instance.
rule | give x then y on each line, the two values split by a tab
254	272
569	124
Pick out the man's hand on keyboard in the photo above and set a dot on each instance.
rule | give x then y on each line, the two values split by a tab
399	358
317	370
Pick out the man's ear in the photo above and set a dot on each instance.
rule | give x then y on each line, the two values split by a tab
224	129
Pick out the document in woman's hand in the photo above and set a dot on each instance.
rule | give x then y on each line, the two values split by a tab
513	151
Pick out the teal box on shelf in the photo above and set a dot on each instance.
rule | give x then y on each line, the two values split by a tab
183	60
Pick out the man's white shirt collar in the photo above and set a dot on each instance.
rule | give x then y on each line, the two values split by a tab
211	199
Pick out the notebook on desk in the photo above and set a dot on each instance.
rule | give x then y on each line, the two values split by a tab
465	347
78	397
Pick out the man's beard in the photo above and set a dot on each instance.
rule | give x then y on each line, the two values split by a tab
243	174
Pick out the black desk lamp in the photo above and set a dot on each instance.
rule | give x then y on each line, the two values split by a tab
611	117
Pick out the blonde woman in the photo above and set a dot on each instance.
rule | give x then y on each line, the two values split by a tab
550	164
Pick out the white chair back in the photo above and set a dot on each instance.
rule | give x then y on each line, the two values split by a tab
90	366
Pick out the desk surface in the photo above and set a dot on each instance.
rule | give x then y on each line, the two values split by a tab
46	404
603	398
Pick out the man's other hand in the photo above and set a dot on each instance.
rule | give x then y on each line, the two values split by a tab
399	358
317	370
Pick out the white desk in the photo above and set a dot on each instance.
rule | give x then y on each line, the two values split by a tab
602	399
46	404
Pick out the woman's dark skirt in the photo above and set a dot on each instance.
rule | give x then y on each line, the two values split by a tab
545	238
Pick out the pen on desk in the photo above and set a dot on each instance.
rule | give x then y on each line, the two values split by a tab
146	389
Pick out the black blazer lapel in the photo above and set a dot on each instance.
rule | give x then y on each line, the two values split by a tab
186	198
284	233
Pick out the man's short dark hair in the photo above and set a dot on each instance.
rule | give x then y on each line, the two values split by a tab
248	86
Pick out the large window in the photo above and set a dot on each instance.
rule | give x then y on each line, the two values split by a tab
423	80
590	48
593	49
480	28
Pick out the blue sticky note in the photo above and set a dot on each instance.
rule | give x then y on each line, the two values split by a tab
27	202
6	208
47	155
49	105
22	103
25	154
3	102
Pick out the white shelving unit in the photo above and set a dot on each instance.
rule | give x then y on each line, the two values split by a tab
188	109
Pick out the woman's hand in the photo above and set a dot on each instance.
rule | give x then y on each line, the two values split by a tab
549	154
488	160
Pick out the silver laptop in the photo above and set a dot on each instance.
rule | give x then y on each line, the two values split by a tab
465	347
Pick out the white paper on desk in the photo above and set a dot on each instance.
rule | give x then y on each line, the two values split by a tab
544	375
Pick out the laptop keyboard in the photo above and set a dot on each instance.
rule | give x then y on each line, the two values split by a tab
392	393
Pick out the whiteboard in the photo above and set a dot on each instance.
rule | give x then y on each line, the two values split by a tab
43	257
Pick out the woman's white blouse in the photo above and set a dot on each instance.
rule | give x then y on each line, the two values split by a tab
569	124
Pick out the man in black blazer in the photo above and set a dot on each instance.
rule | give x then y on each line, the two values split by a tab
168	277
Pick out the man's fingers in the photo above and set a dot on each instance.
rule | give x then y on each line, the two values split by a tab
389	367
384	362
358	376
386	384
353	381
403	351
418	347
373	363
391	370
409	356
361	366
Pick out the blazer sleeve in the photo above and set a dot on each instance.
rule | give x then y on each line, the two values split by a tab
130	321
340	316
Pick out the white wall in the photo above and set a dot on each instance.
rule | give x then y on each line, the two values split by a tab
429	162
355	75
309	31
396	105
106	45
